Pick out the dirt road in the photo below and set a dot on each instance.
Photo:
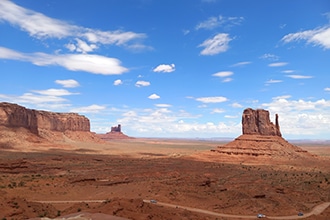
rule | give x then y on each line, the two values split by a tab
316	211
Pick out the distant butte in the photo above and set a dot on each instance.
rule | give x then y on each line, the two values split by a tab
261	138
115	133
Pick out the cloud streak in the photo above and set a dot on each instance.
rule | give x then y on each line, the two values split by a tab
318	36
68	83
218	44
218	21
95	64
212	99
42	27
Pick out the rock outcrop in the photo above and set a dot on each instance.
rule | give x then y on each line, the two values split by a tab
261	138
257	122
13	115
115	133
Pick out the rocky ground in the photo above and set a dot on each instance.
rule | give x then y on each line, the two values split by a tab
124	172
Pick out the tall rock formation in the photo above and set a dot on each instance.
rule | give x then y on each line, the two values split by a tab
257	122
261	138
13	115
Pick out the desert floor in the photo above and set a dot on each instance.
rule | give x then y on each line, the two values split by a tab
113	179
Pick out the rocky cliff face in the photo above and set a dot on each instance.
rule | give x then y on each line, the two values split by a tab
13	115
261	138
257	122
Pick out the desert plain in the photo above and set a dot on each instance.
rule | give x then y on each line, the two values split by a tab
117	179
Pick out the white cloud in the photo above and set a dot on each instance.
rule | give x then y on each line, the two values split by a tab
217	44
278	64
212	99
154	96
287	71
32	99
223	74
165	68
163	105
244	63
317	36
75	62
301	118
141	83
217	111
214	22
40	26
68	83
146	122
227	80
231	116
268	56
81	46
273	81
117	82
299	76
282	97
89	109
54	92
327	89
236	105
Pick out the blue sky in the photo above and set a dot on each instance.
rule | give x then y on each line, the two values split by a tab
168	68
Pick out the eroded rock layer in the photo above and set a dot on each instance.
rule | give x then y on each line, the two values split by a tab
261	138
13	115
257	122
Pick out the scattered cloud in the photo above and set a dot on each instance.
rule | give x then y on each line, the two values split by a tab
217	111
268	56
89	109
281	97
241	63
278	64
95	64
185	32
282	26
81	46
40	101
42	27
68	83
273	81
231	116
54	92
237	105
163	105
327	89
318	37
215	22
217	44
174	124
301	117
288	71
154	96
299	76
212	99
225	80
165	68
223	74
117	82
141	83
